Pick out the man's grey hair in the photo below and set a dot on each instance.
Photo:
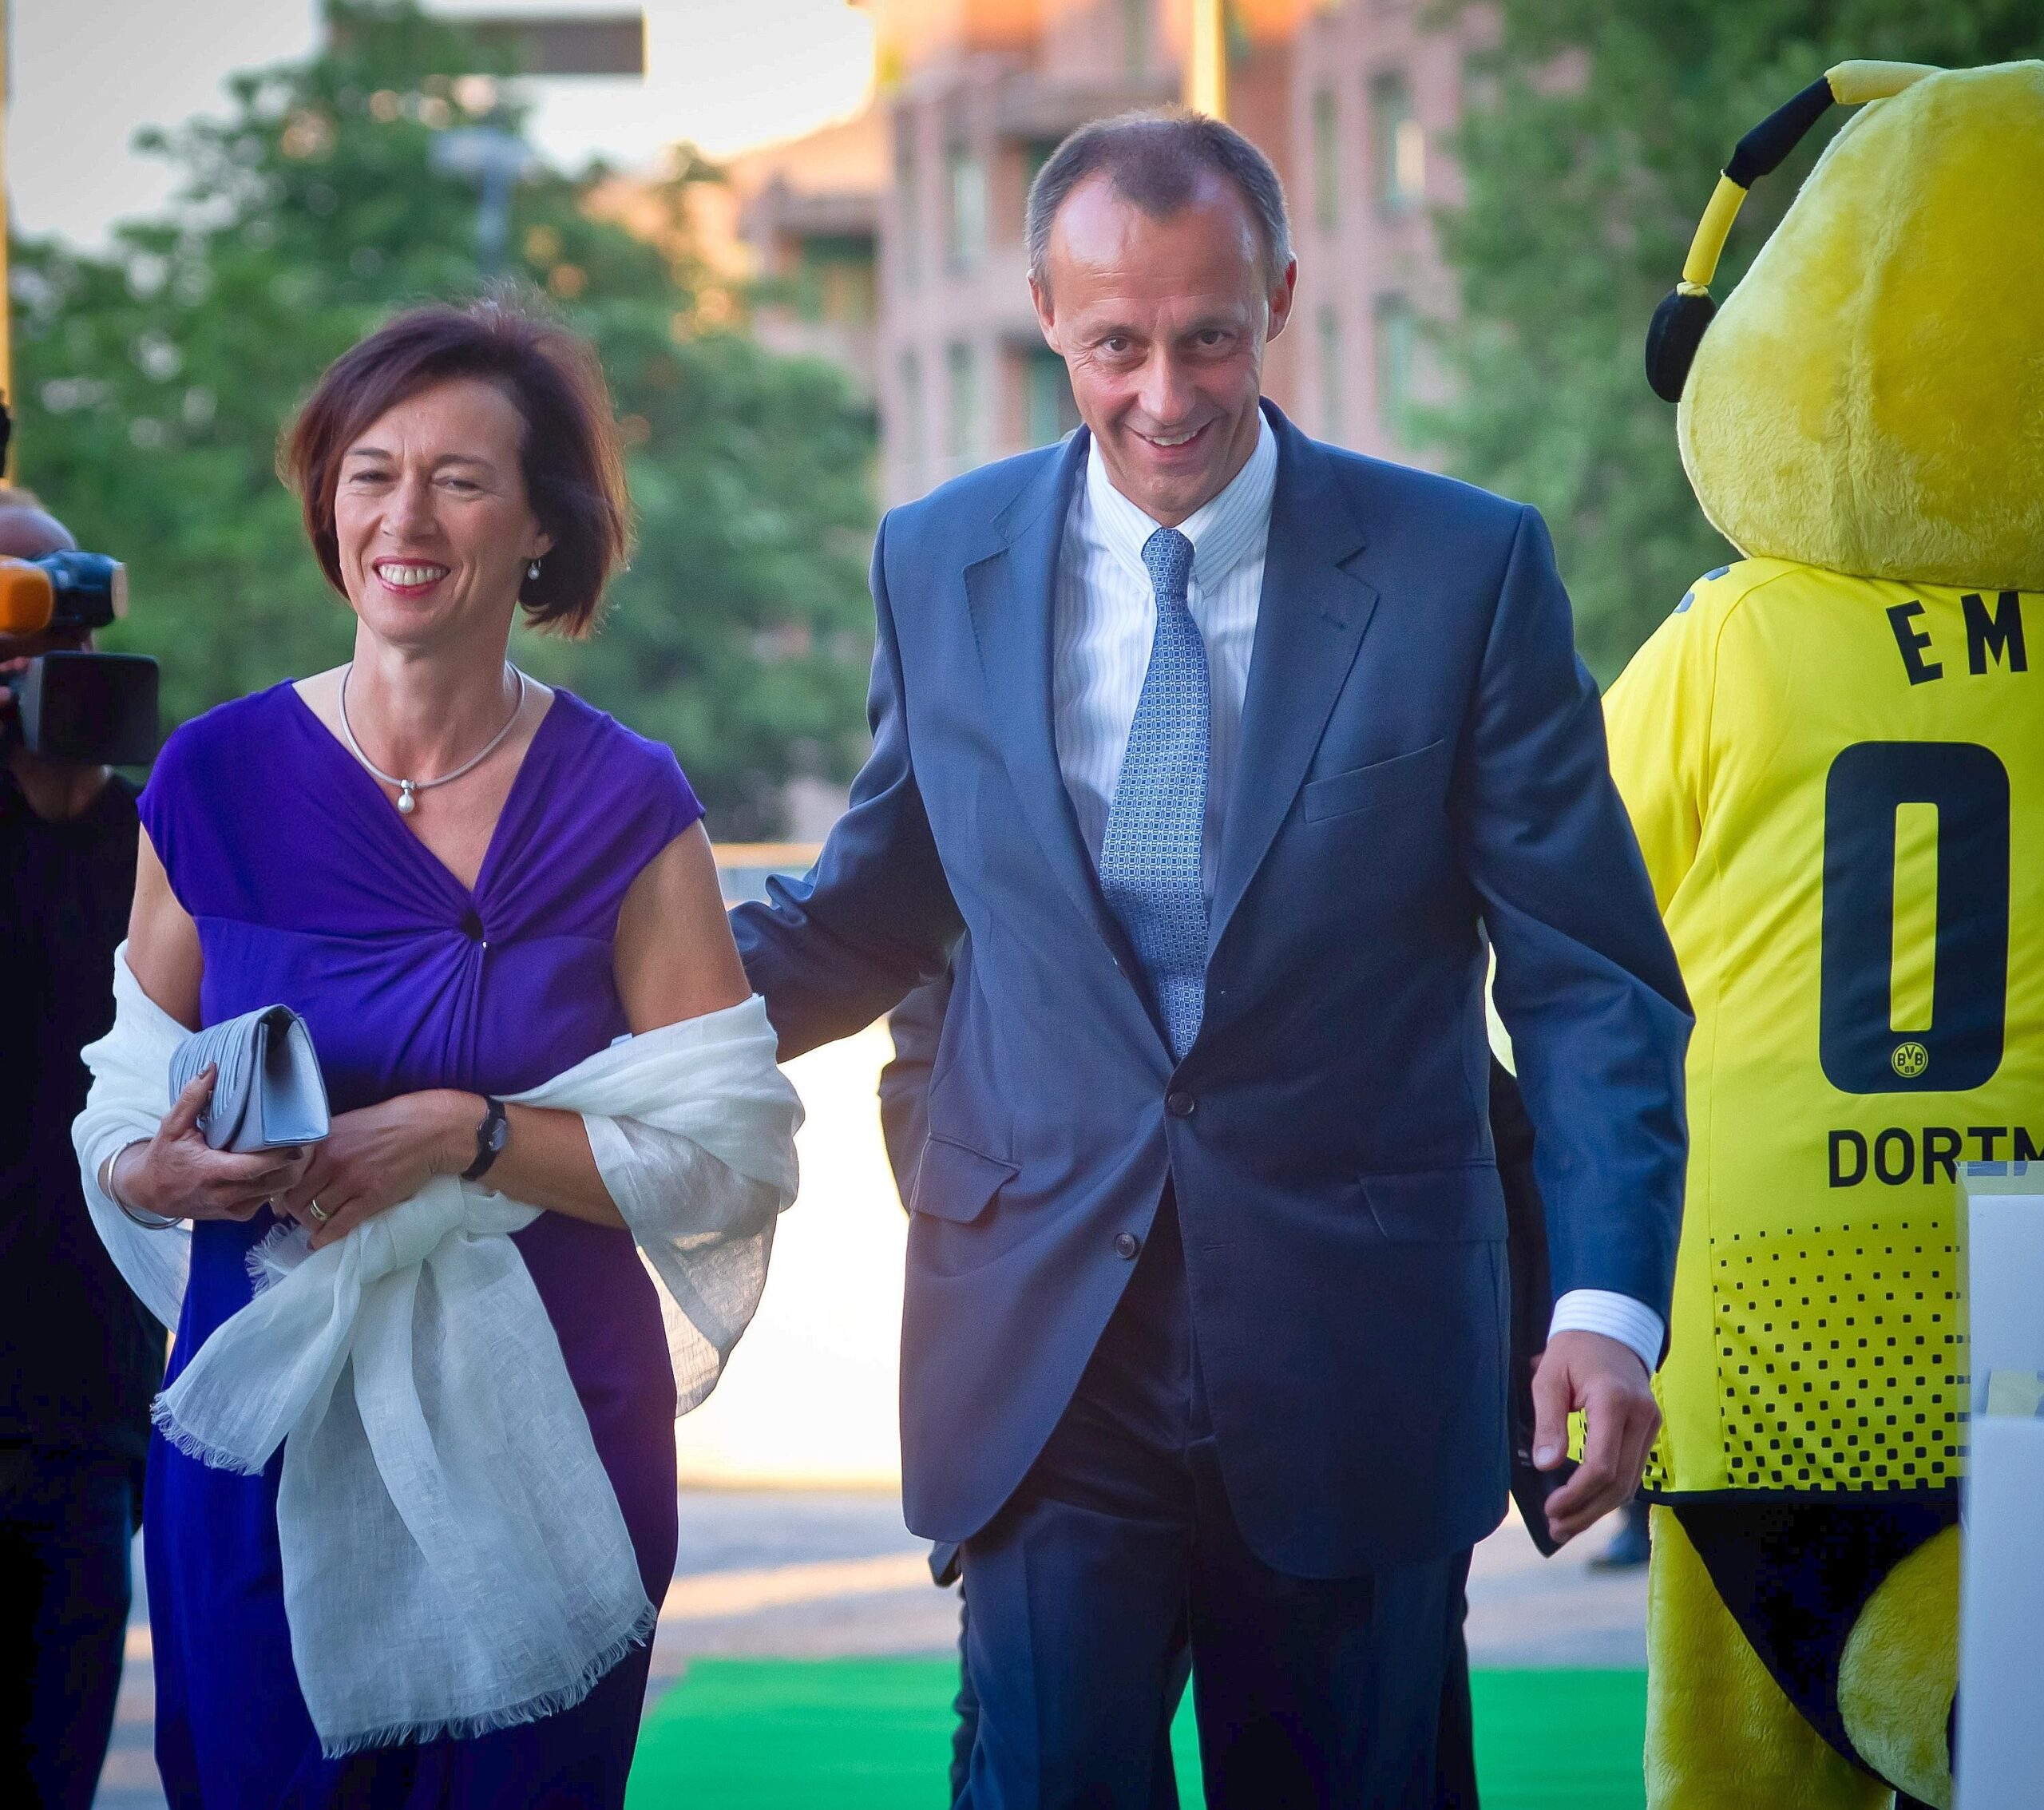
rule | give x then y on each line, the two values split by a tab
1155	159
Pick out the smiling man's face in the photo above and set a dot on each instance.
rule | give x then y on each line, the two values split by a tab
1162	324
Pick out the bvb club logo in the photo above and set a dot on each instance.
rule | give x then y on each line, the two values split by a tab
1910	1060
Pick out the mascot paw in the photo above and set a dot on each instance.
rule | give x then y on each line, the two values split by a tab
1900	1668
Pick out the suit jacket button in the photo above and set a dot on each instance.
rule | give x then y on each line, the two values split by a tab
1179	1104
1126	1244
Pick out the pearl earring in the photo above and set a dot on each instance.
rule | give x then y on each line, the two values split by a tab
532	568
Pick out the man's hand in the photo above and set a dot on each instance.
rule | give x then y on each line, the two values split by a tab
1606	1380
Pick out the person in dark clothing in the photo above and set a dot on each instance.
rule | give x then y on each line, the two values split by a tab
1629	1545
916	1025
80	1358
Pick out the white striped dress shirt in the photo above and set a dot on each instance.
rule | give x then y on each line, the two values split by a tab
1106	620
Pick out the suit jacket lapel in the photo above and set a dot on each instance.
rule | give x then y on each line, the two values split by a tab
1012	595
1310	620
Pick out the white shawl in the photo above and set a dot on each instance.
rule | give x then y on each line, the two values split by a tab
454	1558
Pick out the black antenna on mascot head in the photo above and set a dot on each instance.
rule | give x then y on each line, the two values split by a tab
1687	310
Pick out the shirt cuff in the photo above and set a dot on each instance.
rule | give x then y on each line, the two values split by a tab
1632	1323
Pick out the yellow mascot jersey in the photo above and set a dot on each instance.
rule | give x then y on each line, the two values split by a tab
1836	783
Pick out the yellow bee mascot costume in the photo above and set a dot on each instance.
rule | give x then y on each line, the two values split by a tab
1833	753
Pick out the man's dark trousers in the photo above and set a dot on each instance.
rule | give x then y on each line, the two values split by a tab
66	1521
916	1025
80	1359
1119	1544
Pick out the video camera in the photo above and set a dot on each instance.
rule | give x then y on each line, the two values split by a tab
93	709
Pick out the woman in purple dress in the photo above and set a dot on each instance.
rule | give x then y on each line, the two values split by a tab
467	883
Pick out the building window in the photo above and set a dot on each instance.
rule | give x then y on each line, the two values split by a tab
1331	375
1036	152
912	438
1031	155
1477	84
908	202
1398	143
834	280
1049	412
961	437
965	180
1397	333
1326	161
1134	39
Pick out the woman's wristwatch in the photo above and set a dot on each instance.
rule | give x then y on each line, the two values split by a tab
490	1137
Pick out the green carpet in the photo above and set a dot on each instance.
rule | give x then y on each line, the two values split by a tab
872	1734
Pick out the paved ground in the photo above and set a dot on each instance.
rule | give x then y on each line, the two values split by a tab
1525	1610
817	1574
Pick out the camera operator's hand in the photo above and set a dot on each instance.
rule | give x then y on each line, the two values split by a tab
9	669
178	1175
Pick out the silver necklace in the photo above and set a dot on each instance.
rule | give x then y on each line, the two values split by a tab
408	789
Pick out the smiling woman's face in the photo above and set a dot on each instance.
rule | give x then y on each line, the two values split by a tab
431	518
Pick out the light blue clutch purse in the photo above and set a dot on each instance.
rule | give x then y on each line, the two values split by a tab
269	1092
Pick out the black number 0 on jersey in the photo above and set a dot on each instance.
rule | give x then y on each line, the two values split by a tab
1861	1049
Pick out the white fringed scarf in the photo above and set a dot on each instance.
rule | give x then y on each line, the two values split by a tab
454	1558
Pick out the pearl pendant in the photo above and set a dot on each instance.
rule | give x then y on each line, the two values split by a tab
407	803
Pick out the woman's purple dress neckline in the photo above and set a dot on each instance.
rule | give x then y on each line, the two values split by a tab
363	777
280	845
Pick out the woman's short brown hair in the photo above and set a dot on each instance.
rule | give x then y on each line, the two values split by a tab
574	473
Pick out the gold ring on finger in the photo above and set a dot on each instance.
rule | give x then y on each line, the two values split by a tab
320	1216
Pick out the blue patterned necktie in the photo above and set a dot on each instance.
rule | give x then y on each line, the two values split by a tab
1150	857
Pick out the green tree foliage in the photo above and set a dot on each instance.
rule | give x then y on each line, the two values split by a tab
1595	135
154	381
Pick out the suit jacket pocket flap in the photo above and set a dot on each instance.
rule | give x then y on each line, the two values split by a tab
958	1184
1438	1205
1403	778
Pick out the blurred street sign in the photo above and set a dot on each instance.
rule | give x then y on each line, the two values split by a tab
540	44
481	152
495	160
549	43
611	44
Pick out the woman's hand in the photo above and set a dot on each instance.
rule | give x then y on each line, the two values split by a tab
178	1175
380	1156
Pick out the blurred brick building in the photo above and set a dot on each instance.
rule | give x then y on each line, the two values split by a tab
893	243
808	212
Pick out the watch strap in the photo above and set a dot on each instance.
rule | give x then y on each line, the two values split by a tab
490	1139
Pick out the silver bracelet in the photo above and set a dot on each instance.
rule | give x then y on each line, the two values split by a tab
149	1222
